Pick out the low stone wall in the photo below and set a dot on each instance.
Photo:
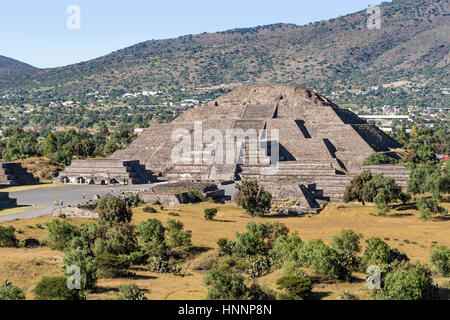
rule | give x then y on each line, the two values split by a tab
75	212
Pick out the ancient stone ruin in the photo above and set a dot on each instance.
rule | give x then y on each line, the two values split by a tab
13	174
174	193
319	147
6	201
104	172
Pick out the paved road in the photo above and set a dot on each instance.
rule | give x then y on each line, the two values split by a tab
44	198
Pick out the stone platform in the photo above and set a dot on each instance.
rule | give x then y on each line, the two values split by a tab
104	172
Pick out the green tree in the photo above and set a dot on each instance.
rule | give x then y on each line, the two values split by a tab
224	285
8	237
259	238
408	285
428	207
297	287
379	183
378	253
113	210
210	213
84	260
253	198
60	234
440	258
347	245
49	145
379	158
354	190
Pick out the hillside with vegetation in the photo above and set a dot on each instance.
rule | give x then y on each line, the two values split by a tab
409	55
10	68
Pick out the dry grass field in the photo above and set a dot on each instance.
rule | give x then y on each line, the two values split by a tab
401	229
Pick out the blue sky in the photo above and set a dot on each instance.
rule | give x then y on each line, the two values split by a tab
36	32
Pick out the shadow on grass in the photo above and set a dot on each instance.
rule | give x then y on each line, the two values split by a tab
319	295
141	277
227	221
196	250
403	207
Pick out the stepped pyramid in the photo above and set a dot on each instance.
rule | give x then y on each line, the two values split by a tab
321	146
13	174
104	172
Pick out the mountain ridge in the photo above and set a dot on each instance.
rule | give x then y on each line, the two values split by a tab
412	44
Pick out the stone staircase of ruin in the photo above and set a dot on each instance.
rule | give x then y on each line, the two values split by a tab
13	174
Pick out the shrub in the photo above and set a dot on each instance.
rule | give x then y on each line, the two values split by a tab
259	267
8	291
347	245
381	201
195	196
112	266
416	182
210	213
408	285
174	225
428	207
55	288
259	238
225	246
120	239
285	248
150	231
159	265
59	234
354	190
113	210
322	259
378	253
138	258
297	287
224	285
130	291
149	209
179	239
379	158
440	258
8	237
87	264
253	198
379	183
133	200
